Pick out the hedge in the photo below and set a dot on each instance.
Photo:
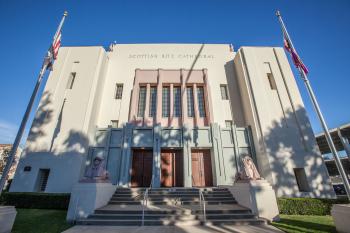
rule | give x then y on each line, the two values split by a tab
307	206
36	200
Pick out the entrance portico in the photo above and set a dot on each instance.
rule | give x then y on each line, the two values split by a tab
172	157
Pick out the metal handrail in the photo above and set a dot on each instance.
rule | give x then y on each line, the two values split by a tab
145	200
202	205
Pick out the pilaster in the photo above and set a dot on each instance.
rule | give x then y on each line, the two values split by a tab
157	131
126	155
220	173
187	159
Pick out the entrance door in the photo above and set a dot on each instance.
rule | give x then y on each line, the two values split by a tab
201	168
141	172
171	168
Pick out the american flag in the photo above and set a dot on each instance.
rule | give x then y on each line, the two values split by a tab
295	57
56	45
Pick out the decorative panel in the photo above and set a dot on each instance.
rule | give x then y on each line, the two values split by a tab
101	138
171	138
116	138
226	137
142	138
113	164
201	137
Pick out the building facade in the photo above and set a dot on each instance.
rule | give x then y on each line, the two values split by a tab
172	115
4	153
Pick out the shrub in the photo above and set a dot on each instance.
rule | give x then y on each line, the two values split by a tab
36	200
307	206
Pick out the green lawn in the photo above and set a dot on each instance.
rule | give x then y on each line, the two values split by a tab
305	223
40	221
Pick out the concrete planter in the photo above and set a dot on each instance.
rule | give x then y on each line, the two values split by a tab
258	196
341	217
87	197
7	218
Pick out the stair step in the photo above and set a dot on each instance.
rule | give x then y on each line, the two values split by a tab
112	222
171	216
182	200
160	198
178	211
166	202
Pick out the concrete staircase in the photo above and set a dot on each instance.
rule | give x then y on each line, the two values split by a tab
172	206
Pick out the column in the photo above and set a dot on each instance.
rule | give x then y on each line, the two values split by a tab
159	98
126	155
146	115
184	114
207	98
187	161
171	106
195	101
345	142
220	174
156	174
134	98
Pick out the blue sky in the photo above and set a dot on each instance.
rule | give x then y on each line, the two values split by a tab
320	31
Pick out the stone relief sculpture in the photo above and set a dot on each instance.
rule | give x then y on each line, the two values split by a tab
97	170
249	171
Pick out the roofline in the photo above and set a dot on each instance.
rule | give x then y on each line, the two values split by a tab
346	125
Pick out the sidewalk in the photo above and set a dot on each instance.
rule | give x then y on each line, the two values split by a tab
174	229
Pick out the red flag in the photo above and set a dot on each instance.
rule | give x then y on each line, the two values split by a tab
296	59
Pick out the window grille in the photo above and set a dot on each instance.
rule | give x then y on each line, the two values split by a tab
224	93
177	101
165	102
119	91
142	102
43	177
200	97
153	102
190	102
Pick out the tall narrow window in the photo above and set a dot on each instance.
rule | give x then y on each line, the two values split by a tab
224	93
114	123
71	80
43	177
153	102
177	101
166	102
119	91
300	176
200	97
190	101
228	123
142	102
272	82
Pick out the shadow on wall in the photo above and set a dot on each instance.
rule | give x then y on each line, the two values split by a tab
48	148
43	116
291	146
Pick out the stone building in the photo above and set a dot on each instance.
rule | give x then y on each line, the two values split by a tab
172	115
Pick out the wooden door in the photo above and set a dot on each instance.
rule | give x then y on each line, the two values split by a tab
171	168
147	168
141	172
201	168
167	169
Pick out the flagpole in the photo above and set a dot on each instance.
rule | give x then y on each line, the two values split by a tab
21	129
319	113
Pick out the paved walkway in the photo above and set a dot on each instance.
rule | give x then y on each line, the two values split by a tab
174	229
